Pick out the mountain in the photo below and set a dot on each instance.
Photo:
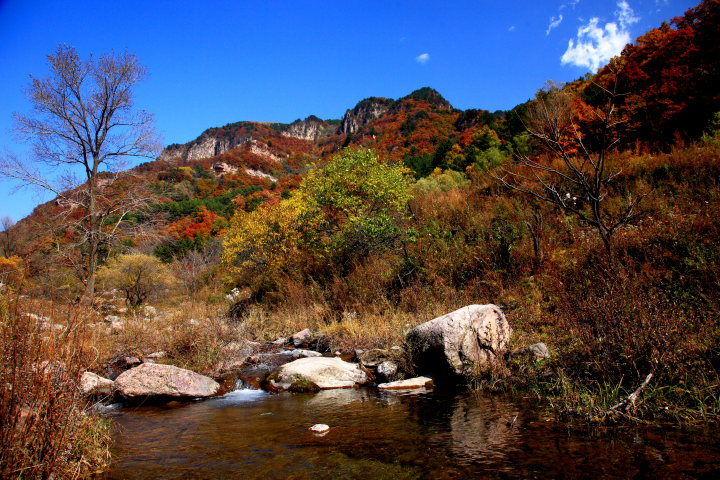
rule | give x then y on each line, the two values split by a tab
670	91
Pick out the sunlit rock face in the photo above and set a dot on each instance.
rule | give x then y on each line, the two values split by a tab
465	342
311	129
151	380
210	144
324	372
363	113
261	150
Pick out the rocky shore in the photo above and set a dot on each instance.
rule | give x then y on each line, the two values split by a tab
455	347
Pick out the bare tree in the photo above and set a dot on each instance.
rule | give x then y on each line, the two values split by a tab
7	237
192	268
574	176
535	226
85	121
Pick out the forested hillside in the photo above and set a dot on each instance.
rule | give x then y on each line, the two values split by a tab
589	213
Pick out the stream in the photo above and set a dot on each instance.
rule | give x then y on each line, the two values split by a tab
250	434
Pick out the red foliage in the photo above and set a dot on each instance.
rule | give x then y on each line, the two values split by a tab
202	224
671	77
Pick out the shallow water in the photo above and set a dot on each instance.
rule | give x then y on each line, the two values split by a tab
250	434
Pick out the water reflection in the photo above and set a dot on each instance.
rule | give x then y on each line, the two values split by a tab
483	428
250	434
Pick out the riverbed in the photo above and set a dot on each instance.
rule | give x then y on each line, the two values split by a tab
251	434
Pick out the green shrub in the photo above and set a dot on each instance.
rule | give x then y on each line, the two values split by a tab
441	181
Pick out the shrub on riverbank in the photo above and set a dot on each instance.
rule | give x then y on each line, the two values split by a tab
47	430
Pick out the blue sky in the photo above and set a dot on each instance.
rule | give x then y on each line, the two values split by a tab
212	63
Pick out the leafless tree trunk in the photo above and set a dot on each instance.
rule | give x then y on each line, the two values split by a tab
535	226
84	120
7	237
576	177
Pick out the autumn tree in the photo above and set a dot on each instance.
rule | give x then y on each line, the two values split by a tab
671	78
139	276
84	129
341	213
573	173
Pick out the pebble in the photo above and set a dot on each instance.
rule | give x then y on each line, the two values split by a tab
319	428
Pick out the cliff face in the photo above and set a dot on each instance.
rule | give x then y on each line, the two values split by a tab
311	129
363	113
211	143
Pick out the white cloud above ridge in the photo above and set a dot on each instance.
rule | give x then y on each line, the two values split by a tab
423	58
595	45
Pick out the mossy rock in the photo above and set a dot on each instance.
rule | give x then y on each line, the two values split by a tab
301	384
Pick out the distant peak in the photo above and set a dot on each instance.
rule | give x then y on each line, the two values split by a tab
429	95
373	102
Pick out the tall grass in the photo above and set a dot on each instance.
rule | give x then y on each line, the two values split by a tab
47	431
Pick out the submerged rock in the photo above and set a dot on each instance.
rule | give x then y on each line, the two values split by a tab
325	372
92	384
409	384
468	341
151	380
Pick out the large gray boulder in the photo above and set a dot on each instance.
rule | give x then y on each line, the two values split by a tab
321	372
152	380
465	342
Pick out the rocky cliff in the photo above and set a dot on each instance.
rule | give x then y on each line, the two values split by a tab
363	113
311	129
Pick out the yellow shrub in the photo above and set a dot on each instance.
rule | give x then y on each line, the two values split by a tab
11	270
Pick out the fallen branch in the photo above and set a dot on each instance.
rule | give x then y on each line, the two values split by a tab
629	402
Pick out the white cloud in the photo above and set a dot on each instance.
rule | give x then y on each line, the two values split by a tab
423	58
512	28
594	45
572	4
625	14
554	23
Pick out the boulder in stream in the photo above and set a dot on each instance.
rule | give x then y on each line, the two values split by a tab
156	381
388	370
323	372
465	342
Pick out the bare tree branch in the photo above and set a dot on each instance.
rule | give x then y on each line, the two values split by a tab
84	120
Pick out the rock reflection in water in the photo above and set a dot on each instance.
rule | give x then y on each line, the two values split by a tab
483	428
250	434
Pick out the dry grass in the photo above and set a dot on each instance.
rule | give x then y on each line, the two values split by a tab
192	335
346	330
46	431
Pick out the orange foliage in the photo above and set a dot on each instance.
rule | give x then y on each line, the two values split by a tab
204	223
